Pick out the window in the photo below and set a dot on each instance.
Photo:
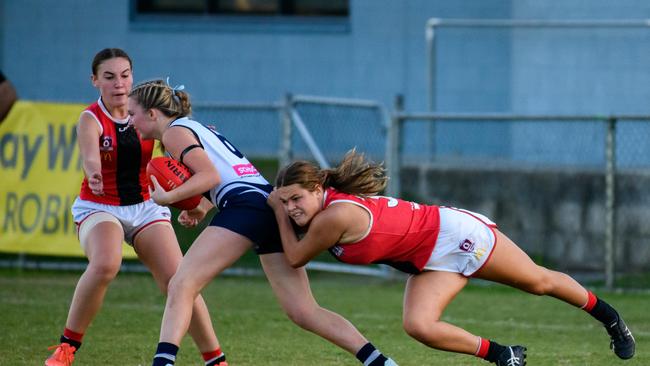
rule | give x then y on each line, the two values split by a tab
320	8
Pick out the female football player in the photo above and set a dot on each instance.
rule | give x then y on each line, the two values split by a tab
441	247
114	206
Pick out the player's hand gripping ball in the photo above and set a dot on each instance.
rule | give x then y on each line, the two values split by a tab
170	174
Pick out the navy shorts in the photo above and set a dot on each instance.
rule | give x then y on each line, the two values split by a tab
245	212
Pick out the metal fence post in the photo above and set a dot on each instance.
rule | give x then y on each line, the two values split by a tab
285	133
394	148
430	36
610	202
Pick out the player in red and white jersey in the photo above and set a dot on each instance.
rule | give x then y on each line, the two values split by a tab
114	206
123	156
404	236
440	246
244	221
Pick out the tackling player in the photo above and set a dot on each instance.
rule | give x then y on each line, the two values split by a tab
440	246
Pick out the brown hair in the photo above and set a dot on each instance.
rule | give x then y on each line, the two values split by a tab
172	102
107	54
354	175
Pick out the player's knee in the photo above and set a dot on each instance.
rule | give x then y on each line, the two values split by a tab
413	329
422	331
540	287
301	315
104	272
179	285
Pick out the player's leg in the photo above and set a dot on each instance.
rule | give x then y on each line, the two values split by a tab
291	287
101	237
214	250
426	297
512	266
158	249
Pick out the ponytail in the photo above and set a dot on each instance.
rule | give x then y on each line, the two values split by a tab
354	175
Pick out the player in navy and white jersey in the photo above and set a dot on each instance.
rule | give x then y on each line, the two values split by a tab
439	246
114	206
236	188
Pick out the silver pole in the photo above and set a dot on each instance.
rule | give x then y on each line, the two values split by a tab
431	51
285	135
610	202
309	140
394	150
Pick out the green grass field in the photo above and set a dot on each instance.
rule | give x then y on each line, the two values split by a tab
254	331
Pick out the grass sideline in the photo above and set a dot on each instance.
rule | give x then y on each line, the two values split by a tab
254	331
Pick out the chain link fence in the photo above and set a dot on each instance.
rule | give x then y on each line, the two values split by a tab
304	127
253	128
573	191
570	190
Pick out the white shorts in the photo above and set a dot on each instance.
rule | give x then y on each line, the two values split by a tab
133	218
464	244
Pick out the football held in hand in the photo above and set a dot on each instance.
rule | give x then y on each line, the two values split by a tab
170	174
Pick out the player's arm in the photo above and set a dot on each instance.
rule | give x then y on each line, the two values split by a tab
191	218
204	173
325	231
88	132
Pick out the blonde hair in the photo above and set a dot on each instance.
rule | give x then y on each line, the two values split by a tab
158	94
354	175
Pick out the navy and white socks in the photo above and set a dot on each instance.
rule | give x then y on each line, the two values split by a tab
370	356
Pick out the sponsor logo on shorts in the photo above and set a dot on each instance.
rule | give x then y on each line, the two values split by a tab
467	246
245	169
480	252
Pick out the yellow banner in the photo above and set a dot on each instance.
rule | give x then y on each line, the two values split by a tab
41	176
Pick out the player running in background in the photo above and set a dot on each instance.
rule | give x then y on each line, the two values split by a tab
440	246
244	220
114	205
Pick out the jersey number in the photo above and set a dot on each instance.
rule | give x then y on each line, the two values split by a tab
228	145
391	202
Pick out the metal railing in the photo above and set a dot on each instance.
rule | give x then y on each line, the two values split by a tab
338	123
326	132
432	44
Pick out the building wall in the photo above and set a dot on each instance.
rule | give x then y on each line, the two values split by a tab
46	47
377	54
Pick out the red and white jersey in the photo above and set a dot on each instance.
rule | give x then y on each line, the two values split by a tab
401	234
124	156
